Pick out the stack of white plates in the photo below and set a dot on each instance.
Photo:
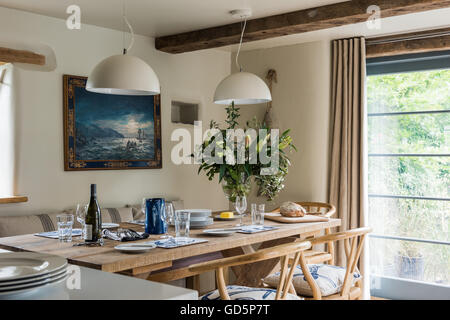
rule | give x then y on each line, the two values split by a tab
24	271
200	218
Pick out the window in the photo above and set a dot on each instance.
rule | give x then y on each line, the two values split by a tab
408	100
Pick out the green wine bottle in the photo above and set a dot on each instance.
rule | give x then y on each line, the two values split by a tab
93	222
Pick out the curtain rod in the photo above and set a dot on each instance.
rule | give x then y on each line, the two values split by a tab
408	36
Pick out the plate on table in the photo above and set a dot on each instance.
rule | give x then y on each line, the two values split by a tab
53	274
24	265
198	224
107	225
219	232
34	286
235	217
33	283
201	224
135	247
198	212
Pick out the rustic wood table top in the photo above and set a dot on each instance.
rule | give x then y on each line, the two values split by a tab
106	258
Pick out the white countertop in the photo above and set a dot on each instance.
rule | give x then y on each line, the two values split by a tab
100	285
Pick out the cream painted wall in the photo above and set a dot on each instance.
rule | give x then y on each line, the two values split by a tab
39	170
301	101
7	108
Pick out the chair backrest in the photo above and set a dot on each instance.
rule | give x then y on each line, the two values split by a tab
321	208
353	244
282	251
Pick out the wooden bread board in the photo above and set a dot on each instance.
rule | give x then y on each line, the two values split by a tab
276	216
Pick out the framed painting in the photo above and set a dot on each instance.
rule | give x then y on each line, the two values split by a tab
109	132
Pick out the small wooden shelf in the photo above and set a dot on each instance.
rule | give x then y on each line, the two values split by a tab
15	199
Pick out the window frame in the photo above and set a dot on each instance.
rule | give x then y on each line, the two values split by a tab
392	287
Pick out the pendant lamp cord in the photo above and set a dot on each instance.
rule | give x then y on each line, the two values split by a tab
240	44
131	31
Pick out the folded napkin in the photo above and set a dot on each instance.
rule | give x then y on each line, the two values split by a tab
138	222
55	234
124	235
177	242
256	228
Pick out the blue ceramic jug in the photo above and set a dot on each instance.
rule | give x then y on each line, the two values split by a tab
154	216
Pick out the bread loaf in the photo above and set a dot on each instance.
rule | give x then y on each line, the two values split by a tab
291	209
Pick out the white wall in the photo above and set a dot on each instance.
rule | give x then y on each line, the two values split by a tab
40	173
301	101
7	130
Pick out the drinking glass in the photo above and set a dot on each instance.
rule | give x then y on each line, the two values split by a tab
65	224
241	206
81	216
182	219
260	214
143	207
254	211
168	218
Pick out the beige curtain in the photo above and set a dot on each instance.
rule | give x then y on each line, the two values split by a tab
348	153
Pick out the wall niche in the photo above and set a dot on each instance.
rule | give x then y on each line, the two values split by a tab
184	112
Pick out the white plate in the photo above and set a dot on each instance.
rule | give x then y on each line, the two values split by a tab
35	285
199	219
129	248
201	224
193	224
107	225
23	265
198	212
235	217
34	279
8	286
219	233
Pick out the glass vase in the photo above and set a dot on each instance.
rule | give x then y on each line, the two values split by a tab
233	188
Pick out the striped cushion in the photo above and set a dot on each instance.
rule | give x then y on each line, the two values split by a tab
247	293
330	279
117	215
112	215
18	225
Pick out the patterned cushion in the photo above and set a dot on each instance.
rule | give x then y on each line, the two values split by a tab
246	293
139	215
330	279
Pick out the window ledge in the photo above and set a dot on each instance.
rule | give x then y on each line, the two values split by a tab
15	199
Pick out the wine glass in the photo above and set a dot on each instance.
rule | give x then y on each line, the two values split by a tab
168	218
81	212
143	206
241	206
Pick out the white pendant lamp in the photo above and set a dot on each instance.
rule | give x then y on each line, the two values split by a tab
124	74
242	87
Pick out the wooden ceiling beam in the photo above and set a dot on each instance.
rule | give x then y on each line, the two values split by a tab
301	21
414	42
22	56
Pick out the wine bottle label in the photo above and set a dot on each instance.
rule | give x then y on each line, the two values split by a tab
88	232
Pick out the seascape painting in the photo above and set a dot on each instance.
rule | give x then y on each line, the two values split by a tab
111	131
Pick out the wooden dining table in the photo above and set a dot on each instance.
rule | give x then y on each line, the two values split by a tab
165	265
